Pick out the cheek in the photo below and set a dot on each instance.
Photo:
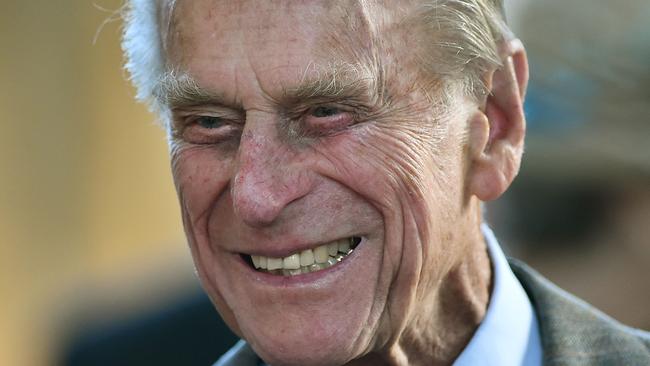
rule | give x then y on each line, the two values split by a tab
388	166
415	181
200	176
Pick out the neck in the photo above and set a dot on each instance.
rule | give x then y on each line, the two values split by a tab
443	326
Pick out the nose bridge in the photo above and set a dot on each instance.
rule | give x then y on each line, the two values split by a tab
268	177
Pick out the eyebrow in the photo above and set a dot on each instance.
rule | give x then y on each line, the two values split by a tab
332	82
178	89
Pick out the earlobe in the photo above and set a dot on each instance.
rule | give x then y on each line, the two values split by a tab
496	136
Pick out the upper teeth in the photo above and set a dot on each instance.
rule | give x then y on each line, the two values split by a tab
309	260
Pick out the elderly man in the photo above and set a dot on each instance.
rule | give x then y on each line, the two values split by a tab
331	158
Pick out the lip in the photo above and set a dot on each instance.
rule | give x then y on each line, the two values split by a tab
304	279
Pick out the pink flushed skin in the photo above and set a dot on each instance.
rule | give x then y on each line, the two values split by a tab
266	195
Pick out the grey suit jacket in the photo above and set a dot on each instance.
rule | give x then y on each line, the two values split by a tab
572	331
575	333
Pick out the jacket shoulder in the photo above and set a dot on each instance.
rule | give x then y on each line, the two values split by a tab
575	333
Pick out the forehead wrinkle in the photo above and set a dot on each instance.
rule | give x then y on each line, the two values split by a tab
362	34
165	14
351	48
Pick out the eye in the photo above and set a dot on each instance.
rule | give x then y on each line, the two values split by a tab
325	111
209	122
328	118
208	129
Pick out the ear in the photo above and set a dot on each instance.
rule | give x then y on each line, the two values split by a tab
496	132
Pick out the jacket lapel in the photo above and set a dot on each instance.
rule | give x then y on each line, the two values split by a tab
575	333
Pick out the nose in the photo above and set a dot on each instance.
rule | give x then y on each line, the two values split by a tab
268	177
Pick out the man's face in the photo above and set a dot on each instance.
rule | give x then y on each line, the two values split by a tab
309	131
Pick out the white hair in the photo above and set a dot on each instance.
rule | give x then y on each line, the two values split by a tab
142	48
467	31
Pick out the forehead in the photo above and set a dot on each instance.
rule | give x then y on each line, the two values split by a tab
228	26
280	40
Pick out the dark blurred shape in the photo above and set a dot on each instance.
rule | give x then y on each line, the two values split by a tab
553	212
186	332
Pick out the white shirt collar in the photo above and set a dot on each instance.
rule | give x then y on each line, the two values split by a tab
509	333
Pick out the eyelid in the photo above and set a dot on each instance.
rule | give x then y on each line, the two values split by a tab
195	118
186	117
329	124
185	124
208	113
301	111
346	107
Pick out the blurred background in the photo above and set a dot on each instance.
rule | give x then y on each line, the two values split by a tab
93	261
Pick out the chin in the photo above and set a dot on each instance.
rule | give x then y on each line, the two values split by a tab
303	351
305	335
317	319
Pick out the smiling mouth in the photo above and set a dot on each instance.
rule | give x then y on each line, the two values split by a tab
307	261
